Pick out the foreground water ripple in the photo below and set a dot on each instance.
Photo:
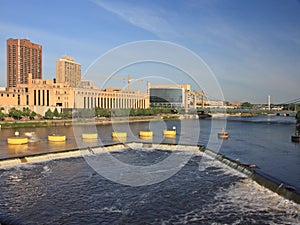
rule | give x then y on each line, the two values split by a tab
68	191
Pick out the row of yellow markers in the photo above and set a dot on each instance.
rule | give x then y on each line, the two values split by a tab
146	135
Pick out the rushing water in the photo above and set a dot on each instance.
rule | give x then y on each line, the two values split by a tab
264	141
69	191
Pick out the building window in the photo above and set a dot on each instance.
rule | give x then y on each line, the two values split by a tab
34	97
43	98
48	98
19	100
39	97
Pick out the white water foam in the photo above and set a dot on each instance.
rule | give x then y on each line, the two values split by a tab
241	200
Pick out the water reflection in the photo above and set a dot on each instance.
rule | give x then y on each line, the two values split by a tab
265	142
17	149
74	136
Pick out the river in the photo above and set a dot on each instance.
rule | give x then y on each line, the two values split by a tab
68	191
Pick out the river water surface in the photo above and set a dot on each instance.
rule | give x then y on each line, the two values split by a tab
69	191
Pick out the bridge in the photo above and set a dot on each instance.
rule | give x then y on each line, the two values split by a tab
251	112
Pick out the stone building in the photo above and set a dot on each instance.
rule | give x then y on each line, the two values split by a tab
40	95
26	88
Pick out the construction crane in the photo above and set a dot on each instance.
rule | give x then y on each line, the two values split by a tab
129	79
202	94
202	99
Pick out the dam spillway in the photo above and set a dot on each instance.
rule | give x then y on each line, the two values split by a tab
250	171
204	190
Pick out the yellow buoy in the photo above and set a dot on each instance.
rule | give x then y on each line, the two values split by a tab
146	133
169	133
17	140
17	148
119	134
119	138
146	138
56	138
89	136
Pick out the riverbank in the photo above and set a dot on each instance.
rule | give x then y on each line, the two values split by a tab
93	121
69	122
110	120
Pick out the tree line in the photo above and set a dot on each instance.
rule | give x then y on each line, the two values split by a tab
19	114
100	112
26	113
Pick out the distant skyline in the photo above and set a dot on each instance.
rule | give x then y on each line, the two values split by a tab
253	47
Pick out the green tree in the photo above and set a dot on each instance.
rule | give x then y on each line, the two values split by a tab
15	113
49	114
56	113
120	112
133	112
66	115
32	115
246	105
26	111
2	115
84	113
102	112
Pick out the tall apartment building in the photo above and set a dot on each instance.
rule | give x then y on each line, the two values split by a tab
23	57
68	71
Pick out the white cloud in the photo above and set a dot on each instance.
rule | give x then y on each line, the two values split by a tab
151	20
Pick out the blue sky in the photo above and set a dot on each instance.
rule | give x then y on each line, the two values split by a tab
252	47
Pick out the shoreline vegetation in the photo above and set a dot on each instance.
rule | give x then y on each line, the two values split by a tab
69	122
42	122
26	118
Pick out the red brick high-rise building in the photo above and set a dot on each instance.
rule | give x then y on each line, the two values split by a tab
23	57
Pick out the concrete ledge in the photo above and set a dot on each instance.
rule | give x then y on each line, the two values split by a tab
40	157
251	170
265	180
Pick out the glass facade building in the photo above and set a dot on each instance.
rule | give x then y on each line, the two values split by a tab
167	96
